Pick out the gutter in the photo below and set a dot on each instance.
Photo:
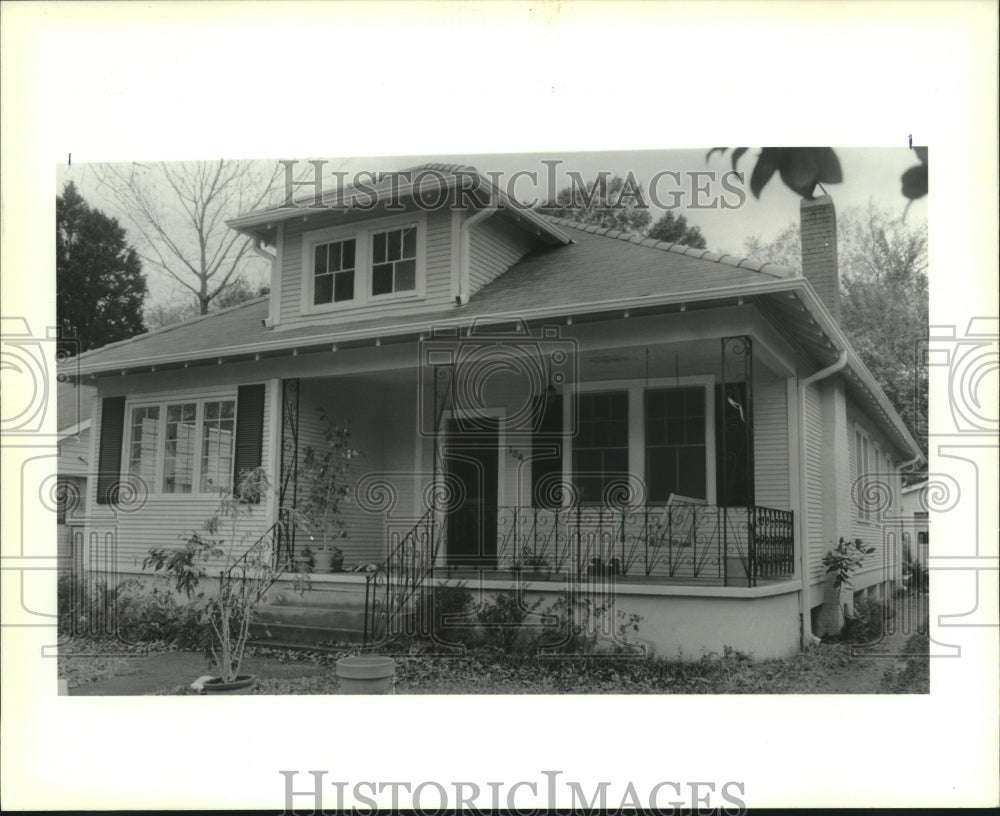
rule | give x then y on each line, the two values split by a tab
466	250
805	610
272	259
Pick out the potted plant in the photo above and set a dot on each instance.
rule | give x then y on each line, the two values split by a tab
533	567
323	477
241	568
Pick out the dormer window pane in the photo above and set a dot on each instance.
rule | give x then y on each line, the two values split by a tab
343	286
406	276
382	279
410	243
378	248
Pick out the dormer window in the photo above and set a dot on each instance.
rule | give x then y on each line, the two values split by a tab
352	266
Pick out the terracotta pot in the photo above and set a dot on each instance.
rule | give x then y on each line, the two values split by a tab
327	561
366	674
241	685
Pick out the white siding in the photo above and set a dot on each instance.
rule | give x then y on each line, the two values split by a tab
770	409
882	529
813	500
494	246
165	520
437	271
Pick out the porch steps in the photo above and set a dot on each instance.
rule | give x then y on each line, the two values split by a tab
324	613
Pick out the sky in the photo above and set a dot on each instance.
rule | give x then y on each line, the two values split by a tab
869	174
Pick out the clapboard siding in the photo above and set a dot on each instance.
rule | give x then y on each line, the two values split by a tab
494	246
164	520
437	290
770	440
882	530
74	454
813	499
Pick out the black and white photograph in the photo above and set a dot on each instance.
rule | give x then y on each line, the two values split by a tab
638	442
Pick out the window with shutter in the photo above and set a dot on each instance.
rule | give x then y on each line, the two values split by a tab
249	431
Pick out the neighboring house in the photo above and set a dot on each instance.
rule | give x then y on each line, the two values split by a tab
589	406
913	506
74	405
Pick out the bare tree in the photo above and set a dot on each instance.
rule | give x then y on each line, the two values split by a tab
177	212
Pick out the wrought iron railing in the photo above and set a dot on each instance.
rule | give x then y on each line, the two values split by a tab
682	543
394	586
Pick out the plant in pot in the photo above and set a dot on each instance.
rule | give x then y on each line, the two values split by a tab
326	485
534	566
239	562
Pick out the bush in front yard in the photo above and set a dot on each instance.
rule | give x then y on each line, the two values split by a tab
127	611
866	624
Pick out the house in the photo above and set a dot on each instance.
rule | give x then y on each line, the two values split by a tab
913	508
73	407
531	395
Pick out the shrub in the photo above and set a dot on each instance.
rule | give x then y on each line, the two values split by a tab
845	559
128	612
439	603
502	620
919	577
866	624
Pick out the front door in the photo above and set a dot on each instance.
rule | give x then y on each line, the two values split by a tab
471	459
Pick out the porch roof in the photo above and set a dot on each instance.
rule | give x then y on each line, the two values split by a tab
590	275
601	272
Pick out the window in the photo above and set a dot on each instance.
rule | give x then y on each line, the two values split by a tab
675	443
347	267
184	447
333	272
600	449
394	261
145	442
862	453
178	457
218	426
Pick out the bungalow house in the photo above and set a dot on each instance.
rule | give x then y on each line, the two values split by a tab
536	400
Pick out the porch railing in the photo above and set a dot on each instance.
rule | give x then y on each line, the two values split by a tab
393	587
679	543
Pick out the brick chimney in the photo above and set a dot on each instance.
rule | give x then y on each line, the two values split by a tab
819	250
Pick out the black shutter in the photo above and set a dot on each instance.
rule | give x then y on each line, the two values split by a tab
249	432
109	459
546	465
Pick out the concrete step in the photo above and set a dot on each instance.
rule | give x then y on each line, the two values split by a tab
336	596
319	616
282	635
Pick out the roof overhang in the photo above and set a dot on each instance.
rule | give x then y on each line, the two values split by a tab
399	185
790	304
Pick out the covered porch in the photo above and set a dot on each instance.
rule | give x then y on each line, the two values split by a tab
631	450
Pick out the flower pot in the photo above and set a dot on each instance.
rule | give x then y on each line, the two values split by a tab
327	561
241	685
366	674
